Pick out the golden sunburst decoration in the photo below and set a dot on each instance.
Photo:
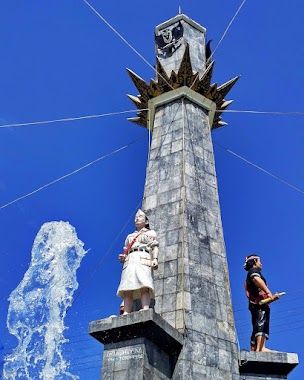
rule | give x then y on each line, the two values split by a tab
183	77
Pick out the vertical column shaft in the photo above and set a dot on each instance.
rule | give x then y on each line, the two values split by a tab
181	197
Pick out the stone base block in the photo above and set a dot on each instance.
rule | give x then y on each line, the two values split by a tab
140	345
267	365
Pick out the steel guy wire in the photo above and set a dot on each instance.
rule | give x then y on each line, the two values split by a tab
276	319
218	44
240	321
68	119
226	30
147	62
83	357
70	174
124	40
65	343
259	167
263	112
280	331
94	116
153	68
86	369
75	365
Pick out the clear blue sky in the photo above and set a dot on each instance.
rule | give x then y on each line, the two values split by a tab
59	60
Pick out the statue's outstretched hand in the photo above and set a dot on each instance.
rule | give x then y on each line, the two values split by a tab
122	258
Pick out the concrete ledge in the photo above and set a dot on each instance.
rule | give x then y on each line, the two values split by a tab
268	363
140	324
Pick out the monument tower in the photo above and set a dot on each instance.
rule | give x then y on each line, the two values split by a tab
190	334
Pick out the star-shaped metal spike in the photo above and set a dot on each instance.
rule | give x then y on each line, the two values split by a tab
183	77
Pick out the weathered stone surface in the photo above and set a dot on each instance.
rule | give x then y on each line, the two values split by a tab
199	302
140	345
145	323
135	359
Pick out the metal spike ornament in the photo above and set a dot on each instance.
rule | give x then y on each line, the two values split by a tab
183	77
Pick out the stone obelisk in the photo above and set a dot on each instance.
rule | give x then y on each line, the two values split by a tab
190	334
181	200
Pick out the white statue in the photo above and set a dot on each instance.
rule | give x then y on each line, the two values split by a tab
140	258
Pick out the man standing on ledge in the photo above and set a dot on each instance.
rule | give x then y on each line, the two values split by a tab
257	290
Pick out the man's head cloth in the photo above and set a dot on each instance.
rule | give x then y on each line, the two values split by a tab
250	261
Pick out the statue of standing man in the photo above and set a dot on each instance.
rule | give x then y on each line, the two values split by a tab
140	258
257	291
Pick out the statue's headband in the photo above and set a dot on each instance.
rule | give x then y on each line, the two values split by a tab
140	213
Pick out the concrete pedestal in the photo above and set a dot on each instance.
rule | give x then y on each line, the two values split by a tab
140	345
267	365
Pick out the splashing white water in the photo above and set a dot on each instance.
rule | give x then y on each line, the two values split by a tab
39	303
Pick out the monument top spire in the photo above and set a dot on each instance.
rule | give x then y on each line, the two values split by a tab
182	60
